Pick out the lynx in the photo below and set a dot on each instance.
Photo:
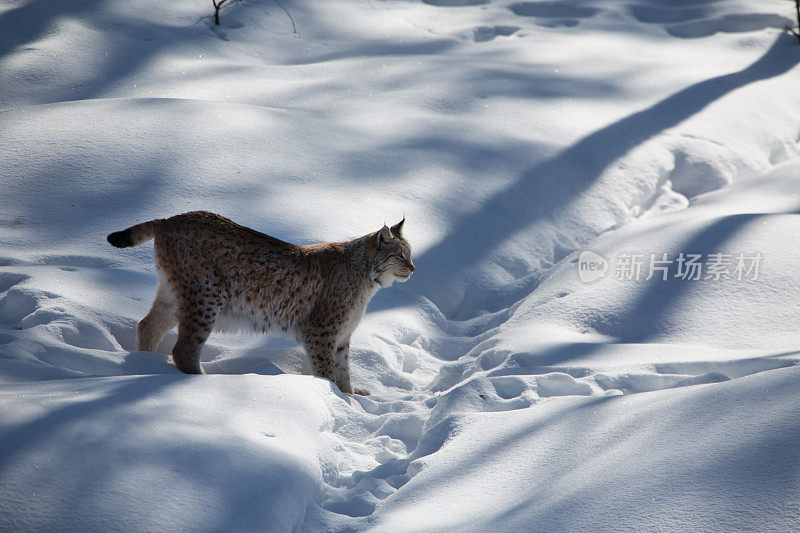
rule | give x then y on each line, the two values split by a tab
216	274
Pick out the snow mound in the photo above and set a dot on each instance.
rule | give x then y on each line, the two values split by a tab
552	364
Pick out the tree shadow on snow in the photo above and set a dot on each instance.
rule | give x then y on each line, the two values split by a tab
49	184
647	318
127	50
99	475
561	180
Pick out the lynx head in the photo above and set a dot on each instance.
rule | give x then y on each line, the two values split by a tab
390	255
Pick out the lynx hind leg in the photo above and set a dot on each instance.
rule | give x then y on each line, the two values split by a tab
163	316
194	327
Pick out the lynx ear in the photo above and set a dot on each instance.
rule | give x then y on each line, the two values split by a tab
385	234
397	229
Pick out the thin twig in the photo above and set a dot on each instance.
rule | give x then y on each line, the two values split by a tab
294	28
797	11
217	7
796	32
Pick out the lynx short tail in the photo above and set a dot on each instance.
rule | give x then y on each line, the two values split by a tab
135	234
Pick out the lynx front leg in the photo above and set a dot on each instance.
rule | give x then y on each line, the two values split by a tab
342	369
325	357
320	355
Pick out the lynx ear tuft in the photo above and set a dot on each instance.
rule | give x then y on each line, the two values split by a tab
385	234
397	229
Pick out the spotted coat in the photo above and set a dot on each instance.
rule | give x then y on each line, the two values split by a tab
216	274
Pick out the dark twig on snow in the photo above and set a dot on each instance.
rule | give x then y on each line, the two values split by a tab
294	28
796	32
219	3
217	6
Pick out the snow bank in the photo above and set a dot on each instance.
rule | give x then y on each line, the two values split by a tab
712	457
507	389
160	451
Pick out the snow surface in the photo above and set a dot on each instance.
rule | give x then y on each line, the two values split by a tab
507	392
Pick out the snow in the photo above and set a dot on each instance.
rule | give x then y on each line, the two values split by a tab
507	392
699	458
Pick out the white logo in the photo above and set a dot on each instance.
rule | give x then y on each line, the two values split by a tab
591	266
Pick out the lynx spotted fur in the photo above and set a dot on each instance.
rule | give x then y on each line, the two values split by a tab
216	273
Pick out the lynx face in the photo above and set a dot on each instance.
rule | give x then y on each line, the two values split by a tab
392	259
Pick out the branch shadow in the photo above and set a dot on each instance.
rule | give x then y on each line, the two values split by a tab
25	436
128	45
562	179
647	318
728	474
32	20
654	304
592	438
89	479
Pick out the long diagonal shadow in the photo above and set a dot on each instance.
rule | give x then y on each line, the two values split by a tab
545	189
26	436
645	319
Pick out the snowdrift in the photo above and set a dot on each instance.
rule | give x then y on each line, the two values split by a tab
551	365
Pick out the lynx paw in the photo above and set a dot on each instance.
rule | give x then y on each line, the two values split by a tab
361	392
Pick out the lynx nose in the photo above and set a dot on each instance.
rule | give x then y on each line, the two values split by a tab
411	266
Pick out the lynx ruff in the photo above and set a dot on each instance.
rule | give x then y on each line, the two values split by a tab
216	274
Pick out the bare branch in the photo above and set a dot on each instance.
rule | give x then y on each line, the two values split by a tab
796	32
294	28
217	6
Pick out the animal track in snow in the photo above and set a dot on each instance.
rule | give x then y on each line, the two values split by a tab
388	451
455	3
732	369
554	14
482	34
75	340
668	15
696	21
73	262
9	279
542	385
685	374
17	304
552	10
647	382
732	23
